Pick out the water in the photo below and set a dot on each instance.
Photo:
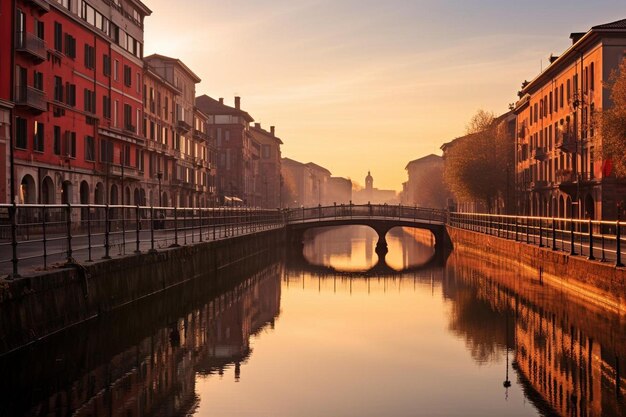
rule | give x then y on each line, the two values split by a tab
334	334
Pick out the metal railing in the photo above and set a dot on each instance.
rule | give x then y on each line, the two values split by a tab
384	211
595	239
37	237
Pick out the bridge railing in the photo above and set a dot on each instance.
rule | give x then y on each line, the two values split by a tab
342	211
595	239
34	236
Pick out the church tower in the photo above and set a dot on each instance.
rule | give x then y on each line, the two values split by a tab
369	181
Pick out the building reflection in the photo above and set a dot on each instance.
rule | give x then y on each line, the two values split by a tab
567	352
156	375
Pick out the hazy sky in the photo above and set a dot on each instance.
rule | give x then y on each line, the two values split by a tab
358	85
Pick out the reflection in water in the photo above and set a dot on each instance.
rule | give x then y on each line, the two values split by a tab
352	248
478	337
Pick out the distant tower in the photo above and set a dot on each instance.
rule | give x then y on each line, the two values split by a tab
369	182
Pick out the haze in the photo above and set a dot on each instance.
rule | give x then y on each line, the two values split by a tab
360	85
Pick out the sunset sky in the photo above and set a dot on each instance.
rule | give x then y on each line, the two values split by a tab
358	85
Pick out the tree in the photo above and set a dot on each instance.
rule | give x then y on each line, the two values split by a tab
478	165
613	122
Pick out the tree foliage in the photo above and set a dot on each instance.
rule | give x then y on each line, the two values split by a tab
613	122
478	165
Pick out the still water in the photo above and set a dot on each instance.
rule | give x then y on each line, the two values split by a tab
323	335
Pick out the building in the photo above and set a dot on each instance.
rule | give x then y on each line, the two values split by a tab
186	176
268	180
559	166
339	190
236	149
373	195
6	104
425	186
305	184
76	85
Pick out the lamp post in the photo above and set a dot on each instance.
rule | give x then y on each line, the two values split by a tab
159	177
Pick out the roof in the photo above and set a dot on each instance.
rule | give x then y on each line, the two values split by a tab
210	106
580	41
427	158
177	61
318	167
266	133
618	24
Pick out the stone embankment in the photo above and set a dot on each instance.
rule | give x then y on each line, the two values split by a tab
598	282
34	307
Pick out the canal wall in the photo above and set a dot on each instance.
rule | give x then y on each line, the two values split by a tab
37	306
598	282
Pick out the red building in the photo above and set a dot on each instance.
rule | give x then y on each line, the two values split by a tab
6	54
77	91
237	151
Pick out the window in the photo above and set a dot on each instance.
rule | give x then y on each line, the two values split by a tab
115	112
126	156
39	29
38	133
38	80
106	107
592	76
551	104
58	89
58	36
90	56
128	117
70	94
90	148
127	76
57	140
139	159
569	91
65	3
89	101
106	65
138	83
561	95
20	133
70	144
106	151
70	46
116	65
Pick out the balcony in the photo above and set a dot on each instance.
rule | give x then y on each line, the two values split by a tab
129	128
539	184
183	126
42	5
31	98
539	154
31	45
123	172
197	134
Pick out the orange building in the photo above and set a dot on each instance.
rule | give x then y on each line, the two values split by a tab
559	167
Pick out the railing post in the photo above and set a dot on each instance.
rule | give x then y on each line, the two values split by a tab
107	232
137	227
591	257
185	225
618	245
175	227
516	229
540	233
152	249
88	233
572	249
526	221
45	240
69	232
603	259
553	234
200	208
14	260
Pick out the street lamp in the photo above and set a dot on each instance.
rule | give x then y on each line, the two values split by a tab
159	177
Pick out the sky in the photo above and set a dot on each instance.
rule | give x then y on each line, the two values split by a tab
368	85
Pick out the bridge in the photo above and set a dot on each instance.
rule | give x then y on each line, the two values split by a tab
380	217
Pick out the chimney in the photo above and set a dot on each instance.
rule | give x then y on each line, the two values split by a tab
553	58
575	37
257	125
272	130
221	100
237	102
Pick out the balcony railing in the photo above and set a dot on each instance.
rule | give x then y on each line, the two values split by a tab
539	154
183	125
31	97
565	176
42	5
539	184
122	171
31	45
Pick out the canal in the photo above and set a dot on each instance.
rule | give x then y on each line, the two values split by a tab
329	331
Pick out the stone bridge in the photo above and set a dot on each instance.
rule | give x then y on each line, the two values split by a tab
381	218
